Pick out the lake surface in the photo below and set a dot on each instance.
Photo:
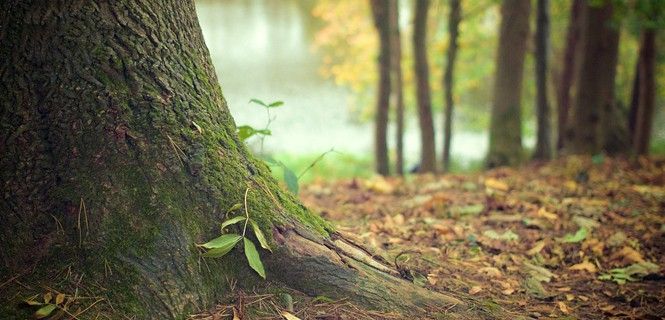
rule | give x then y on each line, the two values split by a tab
263	49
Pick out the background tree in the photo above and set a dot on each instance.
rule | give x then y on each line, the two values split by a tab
647	17
423	95
505	124
454	18
567	75
120	154
543	137
397	90
593	111
380	12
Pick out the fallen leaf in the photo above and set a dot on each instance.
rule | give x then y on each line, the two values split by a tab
542	212
288	316
584	266
495	184
536	248
563	307
475	289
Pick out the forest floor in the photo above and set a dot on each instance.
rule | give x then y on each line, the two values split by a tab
578	238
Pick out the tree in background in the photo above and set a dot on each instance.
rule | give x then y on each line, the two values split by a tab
565	81
381	14
543	136
647	18
397	90
119	155
423	96
454	18
505	125
593	117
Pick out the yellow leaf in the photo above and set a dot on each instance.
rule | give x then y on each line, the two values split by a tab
542	212
537	248
563	307
47	297
585	266
495	184
508	291
631	254
60	298
570	297
475	289
288	316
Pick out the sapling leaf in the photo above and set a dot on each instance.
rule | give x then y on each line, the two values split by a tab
232	221
259	235
276	104
234	207
245	132
223	241
291	180
259	102
253	258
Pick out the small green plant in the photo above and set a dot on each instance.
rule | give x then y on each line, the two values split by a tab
220	246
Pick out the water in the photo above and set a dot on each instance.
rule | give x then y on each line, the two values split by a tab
263	49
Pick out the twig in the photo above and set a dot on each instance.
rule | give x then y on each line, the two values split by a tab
311	165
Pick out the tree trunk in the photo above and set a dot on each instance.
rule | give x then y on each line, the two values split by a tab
567	76
397	91
646	93
380	12
593	112
427	148
543	138
453	28
505	124
119	154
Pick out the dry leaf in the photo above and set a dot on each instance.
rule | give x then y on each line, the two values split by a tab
495	184
475	289
288	316
630	254
563	307
570	297
508	291
584	266
490	271
235	314
542	212
537	248
60	298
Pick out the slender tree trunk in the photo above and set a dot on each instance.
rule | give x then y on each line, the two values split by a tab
505	126
427	146
453	28
397	91
119	154
646	92
543	137
634	100
569	65
593	112
380	12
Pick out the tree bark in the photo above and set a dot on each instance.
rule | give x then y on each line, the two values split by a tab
397	91
427	147
567	75
505	124
593	113
543	137
380	12
646	92
454	19
119	154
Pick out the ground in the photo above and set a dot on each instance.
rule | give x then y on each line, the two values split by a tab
579	238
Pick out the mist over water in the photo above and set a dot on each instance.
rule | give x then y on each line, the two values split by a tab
263	49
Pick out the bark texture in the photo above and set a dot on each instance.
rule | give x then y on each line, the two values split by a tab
505	124
119	155
380	12
397	91
645	88
593	114
568	72
423	94
454	18
543	137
